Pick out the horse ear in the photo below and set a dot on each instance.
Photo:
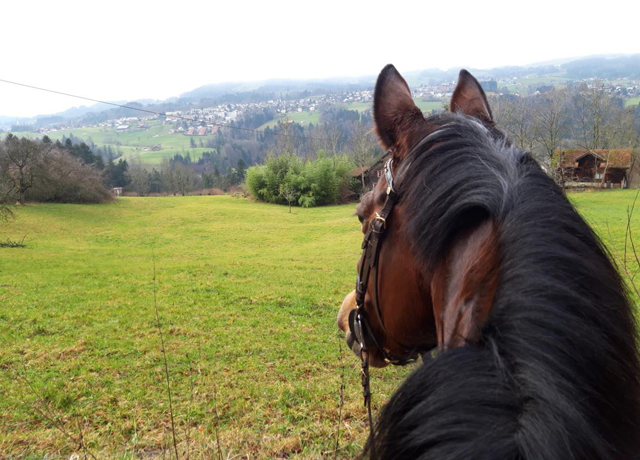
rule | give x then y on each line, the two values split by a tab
469	98
464	285
393	108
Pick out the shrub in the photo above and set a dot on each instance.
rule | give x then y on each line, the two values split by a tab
68	180
313	183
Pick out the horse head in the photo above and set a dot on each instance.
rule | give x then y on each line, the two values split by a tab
411	306
471	248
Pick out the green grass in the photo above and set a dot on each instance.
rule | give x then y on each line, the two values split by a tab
524	83
428	106
133	143
359	106
247	294
303	118
425	106
606	212
631	101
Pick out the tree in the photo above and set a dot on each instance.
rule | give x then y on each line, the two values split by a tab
115	174
285	143
6	200
550	125
168	178
242	169
22	164
362	148
140	179
184	178
594	111
67	179
515	115
627	135
289	193
332	137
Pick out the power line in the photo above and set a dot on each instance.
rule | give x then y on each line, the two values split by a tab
153	112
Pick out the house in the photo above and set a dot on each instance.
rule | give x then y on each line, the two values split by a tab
370	174
202	131
594	168
122	128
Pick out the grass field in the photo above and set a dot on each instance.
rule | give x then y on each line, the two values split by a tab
428	106
631	101
524	83
247	295
136	144
303	118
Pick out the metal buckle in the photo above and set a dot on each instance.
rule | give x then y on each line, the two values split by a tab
379	218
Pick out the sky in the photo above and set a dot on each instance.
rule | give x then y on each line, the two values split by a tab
128	50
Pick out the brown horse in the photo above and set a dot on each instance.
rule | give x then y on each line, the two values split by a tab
470	249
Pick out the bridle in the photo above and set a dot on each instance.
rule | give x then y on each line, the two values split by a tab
371	245
358	320
359	325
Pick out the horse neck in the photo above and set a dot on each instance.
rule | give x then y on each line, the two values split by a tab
561	330
555	374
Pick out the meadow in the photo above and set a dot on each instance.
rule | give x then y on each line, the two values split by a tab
631	101
136	145
246	295
306	118
302	118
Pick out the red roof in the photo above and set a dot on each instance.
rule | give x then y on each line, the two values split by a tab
359	171
616	158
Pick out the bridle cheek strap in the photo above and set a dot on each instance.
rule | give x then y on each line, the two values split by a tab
371	246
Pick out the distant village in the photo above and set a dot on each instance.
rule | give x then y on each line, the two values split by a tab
206	121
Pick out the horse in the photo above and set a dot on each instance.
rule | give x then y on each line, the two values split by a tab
475	261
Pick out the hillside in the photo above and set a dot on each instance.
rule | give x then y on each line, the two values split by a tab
137	145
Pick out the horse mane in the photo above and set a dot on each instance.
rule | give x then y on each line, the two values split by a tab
556	374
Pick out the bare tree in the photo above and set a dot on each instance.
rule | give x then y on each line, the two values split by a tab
594	110
331	137
625	135
362	148
168	177
21	164
288	193
286	141
184	178
140	179
6	201
550	122
515	115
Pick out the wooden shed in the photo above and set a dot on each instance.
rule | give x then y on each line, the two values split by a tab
594	168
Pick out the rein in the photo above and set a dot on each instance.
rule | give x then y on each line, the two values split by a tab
358	321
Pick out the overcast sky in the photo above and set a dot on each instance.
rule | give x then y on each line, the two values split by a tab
126	50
